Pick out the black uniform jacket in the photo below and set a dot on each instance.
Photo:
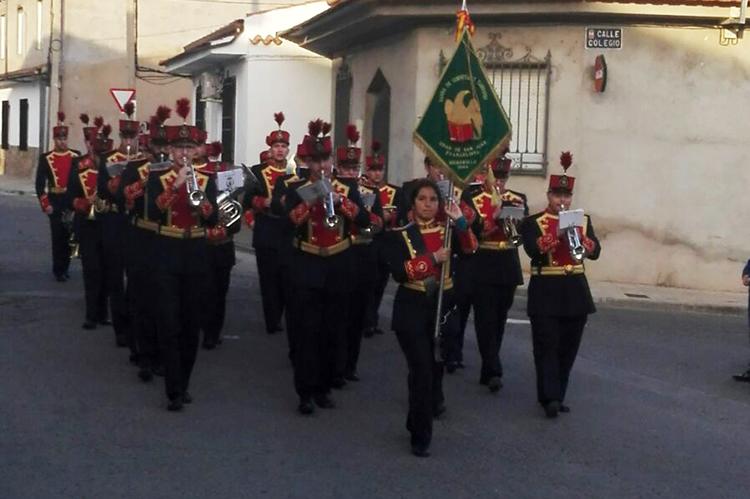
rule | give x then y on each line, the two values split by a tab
496	261
409	257
364	250
52	174
267	232
278	200
558	286
331	268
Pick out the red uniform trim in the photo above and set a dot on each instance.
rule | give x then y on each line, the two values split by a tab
349	208
589	244
249	218
166	198
44	201
259	203
206	209
217	233
81	205
113	184
419	268
468	240
468	212
300	214
547	243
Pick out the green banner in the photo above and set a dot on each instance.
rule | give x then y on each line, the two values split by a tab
464	125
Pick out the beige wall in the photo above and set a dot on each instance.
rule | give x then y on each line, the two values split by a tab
660	158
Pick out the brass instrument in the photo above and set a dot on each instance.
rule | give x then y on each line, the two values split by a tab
230	210
98	205
195	195
510	227
68	223
332	220
577	251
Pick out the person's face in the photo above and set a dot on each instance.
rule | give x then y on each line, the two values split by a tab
279	151
183	154
61	143
348	171
89	146
160	152
126	142
500	180
426	204
376	175
559	200
433	173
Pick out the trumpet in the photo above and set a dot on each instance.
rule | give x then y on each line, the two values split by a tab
98	205
577	251
230	210
332	220
510	229
195	195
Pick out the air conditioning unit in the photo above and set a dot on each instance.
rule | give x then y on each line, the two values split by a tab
210	86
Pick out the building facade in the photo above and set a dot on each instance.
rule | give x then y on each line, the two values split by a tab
659	155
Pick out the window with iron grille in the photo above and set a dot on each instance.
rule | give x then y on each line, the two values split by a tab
6	124
228	100
23	125
522	85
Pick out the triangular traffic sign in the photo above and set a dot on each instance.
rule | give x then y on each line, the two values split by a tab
122	96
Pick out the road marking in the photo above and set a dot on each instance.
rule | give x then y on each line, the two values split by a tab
231	337
519	321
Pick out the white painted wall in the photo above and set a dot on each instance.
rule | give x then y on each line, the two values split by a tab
14	95
661	157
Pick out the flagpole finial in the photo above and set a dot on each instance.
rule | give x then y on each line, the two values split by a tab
463	5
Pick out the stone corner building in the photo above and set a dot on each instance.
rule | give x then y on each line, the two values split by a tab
661	155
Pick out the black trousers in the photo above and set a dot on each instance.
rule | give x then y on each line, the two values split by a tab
270	274
491	305
216	289
319	339
93	264
114	230
453	333
60	244
556	341
425	381
142	315
178	297
372	312
361	299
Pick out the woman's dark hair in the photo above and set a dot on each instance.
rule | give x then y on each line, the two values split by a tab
421	184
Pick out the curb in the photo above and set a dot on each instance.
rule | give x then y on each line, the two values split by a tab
663	306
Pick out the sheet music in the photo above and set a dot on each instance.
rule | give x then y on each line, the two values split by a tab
312	192
570	218
514	212
230	180
369	199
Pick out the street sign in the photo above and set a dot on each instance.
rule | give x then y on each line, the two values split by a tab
604	38
600	74
122	96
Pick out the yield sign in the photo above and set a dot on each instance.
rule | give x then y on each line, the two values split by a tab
122	96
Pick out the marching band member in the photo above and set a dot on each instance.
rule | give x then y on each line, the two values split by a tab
495	269
114	225
139	251
82	195
416	257
559	299
182	202
320	266
222	259
390	200
268	227
51	186
363	254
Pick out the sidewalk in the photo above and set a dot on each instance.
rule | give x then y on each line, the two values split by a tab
605	293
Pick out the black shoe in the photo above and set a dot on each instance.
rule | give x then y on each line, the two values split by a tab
564	408
175	405
338	382
133	359
105	322
219	340
323	401
209	343
187	398
60	278
158	370
368	332
743	377
121	341
460	364
352	376
420	450
552	409
451	366
67	276
87	324
305	406
495	383
438	411
379	331
146	374
279	328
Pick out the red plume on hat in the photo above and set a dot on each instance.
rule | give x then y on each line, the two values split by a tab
326	128
215	148
129	108
376	147
279	118
84	118
106	131
163	113
566	159
154	122
98	122
183	108
60	117
352	134
314	127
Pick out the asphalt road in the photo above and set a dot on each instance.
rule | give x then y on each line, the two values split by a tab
654	410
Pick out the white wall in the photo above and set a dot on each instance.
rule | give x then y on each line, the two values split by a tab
660	158
14	95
